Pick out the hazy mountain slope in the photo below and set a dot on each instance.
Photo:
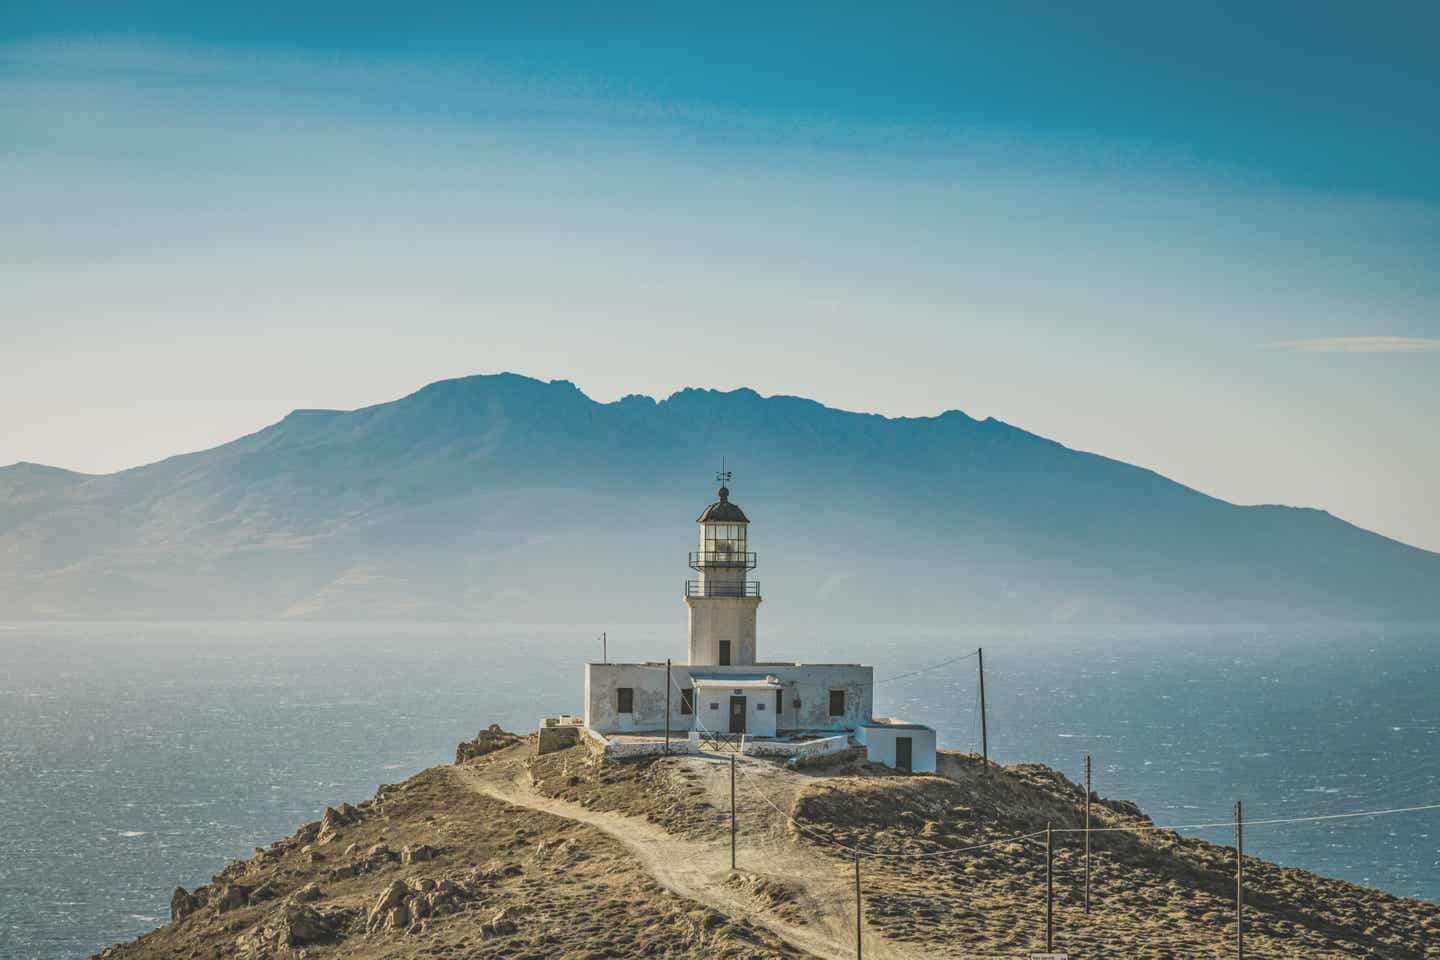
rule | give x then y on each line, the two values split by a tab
506	497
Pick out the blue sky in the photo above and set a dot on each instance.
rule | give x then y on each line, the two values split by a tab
1204	241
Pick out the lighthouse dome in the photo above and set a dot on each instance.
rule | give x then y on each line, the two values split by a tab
723	511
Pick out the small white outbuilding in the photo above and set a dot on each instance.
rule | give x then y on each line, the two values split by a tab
895	743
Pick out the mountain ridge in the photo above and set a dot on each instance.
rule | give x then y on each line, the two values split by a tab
481	497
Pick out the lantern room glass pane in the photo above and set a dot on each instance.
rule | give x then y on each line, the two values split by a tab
721	540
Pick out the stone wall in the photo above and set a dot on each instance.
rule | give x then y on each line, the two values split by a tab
557	737
796	748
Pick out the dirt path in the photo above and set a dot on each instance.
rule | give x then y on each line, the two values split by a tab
698	870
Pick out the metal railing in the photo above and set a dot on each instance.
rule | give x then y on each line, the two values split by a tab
705	559
698	588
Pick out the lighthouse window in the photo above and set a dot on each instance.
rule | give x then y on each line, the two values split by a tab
727	538
626	699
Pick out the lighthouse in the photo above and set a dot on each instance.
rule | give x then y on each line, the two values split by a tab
723	600
722	696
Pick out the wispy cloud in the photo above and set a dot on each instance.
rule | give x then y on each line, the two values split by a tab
1362	345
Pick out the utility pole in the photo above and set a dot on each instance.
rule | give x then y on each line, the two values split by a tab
732	811
1049	891
1239	882
1087	833
984	734
604	648
857	905
667	706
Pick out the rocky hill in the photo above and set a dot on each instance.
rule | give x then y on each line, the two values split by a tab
512	855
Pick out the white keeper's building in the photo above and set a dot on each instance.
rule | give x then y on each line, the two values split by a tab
723	686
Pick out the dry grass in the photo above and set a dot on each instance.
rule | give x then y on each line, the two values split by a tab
570	891
663	790
1154	895
531	884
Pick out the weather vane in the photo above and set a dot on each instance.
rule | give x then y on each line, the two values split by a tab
723	477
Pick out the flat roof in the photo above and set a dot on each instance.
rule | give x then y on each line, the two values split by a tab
897	725
678	665
733	680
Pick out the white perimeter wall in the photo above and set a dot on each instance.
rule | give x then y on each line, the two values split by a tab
809	683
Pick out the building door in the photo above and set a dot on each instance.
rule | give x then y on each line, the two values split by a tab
724	653
737	714
903	754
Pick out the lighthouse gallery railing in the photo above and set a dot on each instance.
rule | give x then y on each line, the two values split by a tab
697	588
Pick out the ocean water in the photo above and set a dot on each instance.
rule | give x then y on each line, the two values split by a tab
134	758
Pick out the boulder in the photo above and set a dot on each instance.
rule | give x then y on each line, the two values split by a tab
383	912
500	925
268	890
417	853
308	893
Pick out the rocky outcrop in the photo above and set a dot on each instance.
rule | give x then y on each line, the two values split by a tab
377	857
269	890
405	903
292	925
183	904
334	819
501	924
229	896
308	893
489	740
417	853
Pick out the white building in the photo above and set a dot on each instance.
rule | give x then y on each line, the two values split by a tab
723	687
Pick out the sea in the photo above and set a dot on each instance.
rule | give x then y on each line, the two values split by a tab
138	757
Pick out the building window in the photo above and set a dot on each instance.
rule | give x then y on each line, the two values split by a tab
626	698
714	706
724	653
779	702
687	700
760	705
837	703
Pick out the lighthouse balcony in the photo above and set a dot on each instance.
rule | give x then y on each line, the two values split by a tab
721	560
705	588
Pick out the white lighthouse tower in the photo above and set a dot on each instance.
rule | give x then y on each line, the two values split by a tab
723	601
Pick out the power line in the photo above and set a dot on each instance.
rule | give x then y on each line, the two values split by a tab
1256	823
1274	821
